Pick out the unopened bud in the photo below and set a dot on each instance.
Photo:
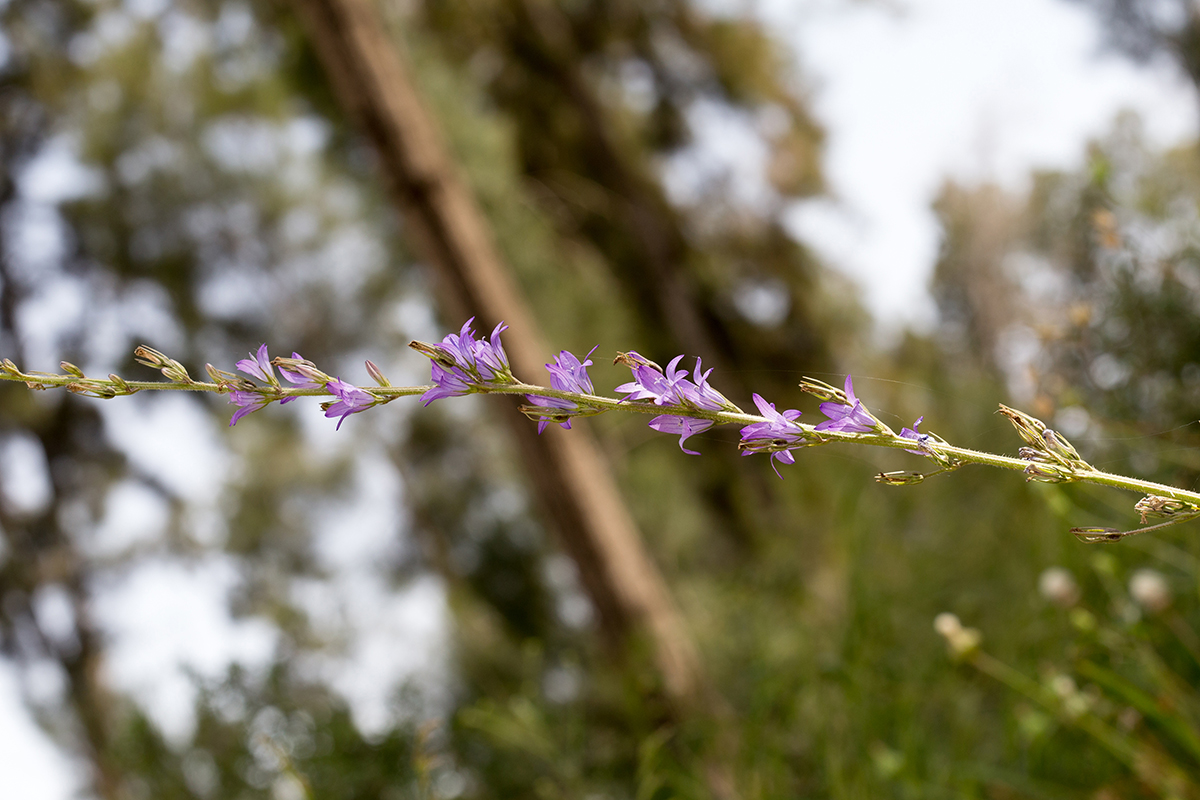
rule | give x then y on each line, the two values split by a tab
71	369
120	384
376	374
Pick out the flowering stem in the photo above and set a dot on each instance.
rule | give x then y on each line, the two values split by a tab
1050	458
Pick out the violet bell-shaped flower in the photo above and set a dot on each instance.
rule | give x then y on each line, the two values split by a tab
350	400
848	417
567	374
778	435
259	365
686	427
247	402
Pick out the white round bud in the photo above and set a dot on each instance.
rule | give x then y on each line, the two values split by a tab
1058	586
1149	590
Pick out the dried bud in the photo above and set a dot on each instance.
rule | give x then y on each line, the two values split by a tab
301	371
92	388
1149	589
169	367
900	478
71	369
1030	428
1095	535
150	357
227	380
1033	454
1048	473
1059	587
633	360
823	390
1155	506
1058	445
376	374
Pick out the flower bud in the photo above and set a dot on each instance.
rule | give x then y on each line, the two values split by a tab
71	369
376	374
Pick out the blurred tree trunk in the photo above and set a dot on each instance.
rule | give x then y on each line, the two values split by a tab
573	483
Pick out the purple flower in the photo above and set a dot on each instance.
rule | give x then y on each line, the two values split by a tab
913	433
648	382
247	402
350	400
304	377
779	435
451	382
684	426
567	374
260	367
490	358
849	417
700	393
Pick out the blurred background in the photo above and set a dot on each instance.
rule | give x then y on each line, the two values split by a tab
962	203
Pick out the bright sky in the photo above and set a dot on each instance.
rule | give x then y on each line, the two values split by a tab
911	91
968	88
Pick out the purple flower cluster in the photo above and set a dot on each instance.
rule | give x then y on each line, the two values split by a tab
301	374
779	435
672	388
567	374
462	364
